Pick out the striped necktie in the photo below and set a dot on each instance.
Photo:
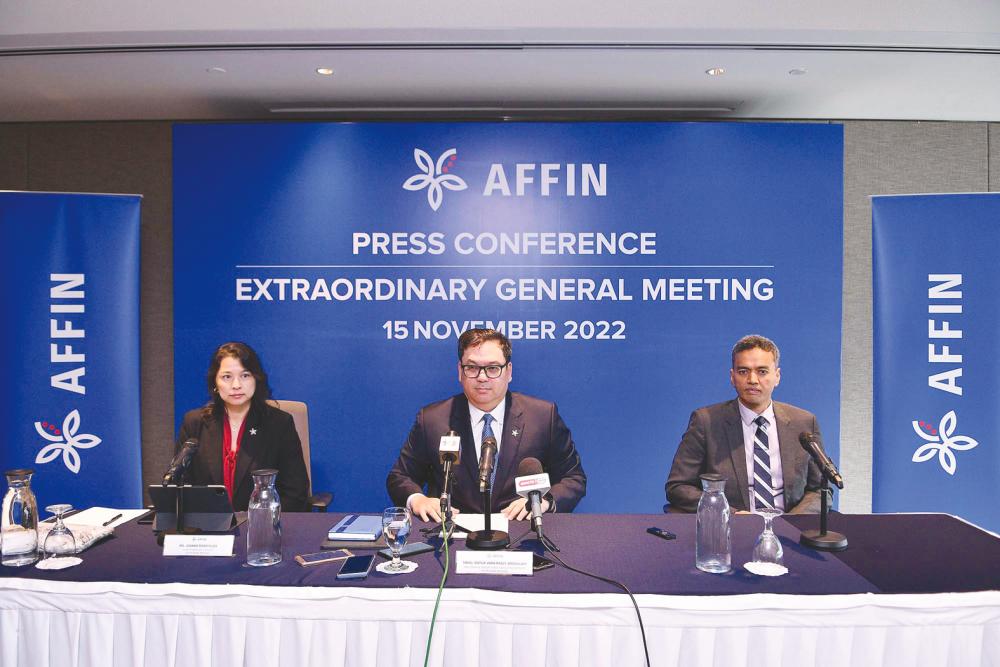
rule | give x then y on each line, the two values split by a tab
763	487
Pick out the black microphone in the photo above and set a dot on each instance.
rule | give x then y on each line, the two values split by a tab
180	462
532	483
487	459
810	443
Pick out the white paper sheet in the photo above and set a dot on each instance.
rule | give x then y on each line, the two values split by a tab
102	517
467	523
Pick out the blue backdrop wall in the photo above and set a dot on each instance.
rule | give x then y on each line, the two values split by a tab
623	259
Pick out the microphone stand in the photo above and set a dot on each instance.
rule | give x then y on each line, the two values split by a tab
548	544
543	539
447	525
487	539
823	540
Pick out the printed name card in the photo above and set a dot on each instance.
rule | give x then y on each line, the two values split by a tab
198	545
493	562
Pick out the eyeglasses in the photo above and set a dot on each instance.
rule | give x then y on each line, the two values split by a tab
472	371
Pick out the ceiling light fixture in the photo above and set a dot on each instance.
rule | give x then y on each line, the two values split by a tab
503	112
798	71
216	70
715	71
325	71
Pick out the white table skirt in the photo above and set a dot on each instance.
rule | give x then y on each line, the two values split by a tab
116	624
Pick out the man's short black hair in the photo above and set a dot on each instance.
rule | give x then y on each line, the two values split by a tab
754	341
476	337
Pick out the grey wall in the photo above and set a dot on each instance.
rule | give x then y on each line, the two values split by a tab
879	158
888	158
128	158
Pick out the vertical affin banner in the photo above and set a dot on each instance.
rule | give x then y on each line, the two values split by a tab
937	371
69	351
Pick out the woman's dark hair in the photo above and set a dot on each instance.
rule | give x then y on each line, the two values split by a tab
246	356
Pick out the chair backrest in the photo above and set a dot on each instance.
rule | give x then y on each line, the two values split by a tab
300	415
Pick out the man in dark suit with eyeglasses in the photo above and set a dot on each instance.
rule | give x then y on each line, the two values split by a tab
522	425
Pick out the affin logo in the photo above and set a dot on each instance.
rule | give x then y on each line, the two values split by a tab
435	176
940	441
65	441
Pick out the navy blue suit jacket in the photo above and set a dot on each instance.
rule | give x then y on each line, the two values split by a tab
532	428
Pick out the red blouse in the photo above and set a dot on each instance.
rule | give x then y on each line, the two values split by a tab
229	454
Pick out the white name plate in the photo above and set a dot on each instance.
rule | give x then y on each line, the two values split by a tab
198	545
493	562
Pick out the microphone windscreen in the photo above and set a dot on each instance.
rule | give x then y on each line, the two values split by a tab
806	437
529	466
489	441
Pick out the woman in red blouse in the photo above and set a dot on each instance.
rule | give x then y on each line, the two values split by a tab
239	432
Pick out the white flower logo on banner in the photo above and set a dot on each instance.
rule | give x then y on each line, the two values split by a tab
65	441
941	442
434	176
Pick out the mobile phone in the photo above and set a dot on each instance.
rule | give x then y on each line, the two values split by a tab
411	549
356	567
323	557
659	532
540	563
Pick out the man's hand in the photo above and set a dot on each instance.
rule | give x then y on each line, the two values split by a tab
428	509
518	511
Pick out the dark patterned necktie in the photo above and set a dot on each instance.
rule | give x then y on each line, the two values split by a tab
763	486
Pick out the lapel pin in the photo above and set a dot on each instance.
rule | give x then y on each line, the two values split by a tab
515	432
253	431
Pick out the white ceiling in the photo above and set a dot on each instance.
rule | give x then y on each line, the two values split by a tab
128	60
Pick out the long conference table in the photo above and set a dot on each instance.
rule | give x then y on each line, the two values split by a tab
911	589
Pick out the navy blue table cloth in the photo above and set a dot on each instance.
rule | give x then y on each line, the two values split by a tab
907	553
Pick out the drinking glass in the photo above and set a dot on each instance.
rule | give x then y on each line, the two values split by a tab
395	529
59	543
768	547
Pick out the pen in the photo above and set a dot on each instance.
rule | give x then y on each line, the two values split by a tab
111	520
68	514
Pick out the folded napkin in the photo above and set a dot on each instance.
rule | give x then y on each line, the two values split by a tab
85	535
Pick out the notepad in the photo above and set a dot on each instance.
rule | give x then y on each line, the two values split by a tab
359	527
